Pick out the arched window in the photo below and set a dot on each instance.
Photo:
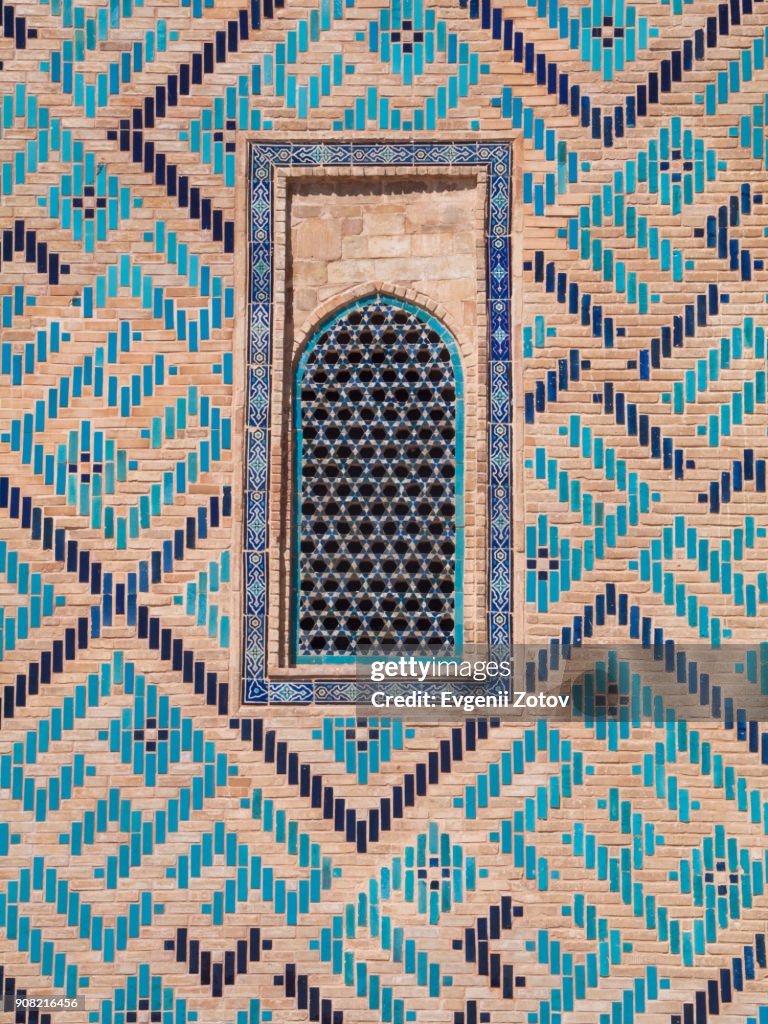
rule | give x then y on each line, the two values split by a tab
378	527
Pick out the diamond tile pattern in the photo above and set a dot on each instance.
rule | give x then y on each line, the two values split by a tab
260	866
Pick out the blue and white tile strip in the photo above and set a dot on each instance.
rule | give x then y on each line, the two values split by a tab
496	159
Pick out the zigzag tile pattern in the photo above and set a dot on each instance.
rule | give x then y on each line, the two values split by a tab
164	857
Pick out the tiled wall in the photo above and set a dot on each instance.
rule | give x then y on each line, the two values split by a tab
165	857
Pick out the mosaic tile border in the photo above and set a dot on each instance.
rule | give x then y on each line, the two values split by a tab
263	161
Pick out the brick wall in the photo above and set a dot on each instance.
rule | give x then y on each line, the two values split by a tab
165	852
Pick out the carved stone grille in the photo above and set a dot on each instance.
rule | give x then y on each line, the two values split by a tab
378	414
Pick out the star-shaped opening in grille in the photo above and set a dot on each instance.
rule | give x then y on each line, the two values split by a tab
378	485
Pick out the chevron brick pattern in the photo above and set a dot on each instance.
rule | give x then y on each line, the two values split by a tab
166	856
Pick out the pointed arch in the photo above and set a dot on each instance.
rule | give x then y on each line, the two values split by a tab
378	526
348	296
